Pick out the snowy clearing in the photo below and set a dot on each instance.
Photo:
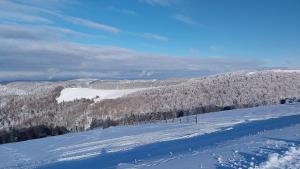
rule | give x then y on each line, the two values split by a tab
220	139
71	94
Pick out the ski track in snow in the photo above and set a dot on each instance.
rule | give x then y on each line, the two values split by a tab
91	144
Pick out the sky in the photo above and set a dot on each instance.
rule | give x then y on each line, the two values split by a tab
132	39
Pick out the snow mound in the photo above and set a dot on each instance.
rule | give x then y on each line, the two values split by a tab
71	94
291	159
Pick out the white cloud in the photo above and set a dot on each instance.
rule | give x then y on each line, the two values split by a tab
160	2
89	24
154	37
185	19
151	36
40	50
124	11
27	13
77	60
34	32
22	17
52	4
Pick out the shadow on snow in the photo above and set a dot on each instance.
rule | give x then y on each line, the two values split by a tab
162	149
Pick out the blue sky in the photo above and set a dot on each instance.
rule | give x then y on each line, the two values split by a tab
52	39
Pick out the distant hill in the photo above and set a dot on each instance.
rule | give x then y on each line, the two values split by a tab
30	109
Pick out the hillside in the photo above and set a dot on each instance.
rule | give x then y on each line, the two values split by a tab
33	109
261	137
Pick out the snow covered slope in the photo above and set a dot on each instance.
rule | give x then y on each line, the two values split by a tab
71	94
231	139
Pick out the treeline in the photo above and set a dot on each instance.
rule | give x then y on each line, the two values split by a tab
132	119
22	134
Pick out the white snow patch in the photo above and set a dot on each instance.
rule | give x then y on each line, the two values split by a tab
71	94
250	73
275	71
291	159
285	71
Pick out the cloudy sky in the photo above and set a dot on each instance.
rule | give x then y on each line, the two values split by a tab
127	39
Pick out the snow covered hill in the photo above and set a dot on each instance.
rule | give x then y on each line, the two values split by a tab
260	137
37	109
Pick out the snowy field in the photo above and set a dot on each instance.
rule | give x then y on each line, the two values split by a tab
261	137
71	94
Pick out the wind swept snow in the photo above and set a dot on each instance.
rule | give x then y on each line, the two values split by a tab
71	94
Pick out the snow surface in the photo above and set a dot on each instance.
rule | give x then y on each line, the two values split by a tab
275	71
285	71
71	94
244	138
290	158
